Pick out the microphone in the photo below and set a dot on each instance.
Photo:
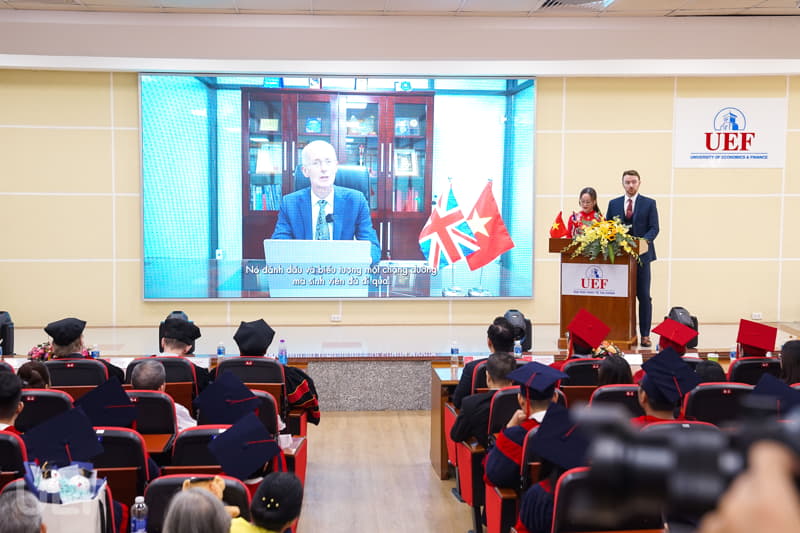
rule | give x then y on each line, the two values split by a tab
329	218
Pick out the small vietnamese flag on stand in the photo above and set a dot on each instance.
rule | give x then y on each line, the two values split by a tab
559	230
489	229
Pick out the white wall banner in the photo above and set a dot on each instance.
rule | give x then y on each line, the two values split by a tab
594	280
730	133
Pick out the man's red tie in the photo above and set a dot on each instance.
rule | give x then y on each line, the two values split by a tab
629	209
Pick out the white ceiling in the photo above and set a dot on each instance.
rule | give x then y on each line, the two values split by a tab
497	8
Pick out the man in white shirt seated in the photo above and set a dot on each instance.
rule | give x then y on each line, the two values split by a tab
150	375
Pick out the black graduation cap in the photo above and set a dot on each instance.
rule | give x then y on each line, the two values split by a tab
225	401
784	396
108	405
558	440
253	338
179	329
667	377
66	330
62	439
536	380
244	448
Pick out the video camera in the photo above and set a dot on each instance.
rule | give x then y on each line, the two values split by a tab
671	469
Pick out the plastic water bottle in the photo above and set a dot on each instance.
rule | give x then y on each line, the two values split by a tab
454	362
95	353
517	348
282	354
732	353
220	349
139	515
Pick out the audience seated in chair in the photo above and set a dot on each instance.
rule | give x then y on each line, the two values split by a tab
178	341
275	506
614	369
473	420
67	335
21	513
34	375
499	339
755	339
667	378
150	375
710	371
537	391
10	401
196	511
790	362
586	332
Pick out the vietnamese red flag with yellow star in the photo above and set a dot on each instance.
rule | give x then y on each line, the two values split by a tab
489	230
559	230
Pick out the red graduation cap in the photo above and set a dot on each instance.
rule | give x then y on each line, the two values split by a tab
756	339
589	329
674	335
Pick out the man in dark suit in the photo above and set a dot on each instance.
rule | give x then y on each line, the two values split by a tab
473	420
324	211
641	214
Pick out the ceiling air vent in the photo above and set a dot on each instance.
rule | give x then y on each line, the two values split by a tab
596	5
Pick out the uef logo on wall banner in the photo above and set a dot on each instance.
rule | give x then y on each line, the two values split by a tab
730	133
581	279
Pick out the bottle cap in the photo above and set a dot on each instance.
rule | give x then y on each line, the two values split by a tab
139	499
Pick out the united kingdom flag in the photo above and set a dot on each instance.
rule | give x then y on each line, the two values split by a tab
446	237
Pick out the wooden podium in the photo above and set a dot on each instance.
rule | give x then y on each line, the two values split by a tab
584	285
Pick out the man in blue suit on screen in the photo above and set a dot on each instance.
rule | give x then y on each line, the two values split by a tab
324	211
641	214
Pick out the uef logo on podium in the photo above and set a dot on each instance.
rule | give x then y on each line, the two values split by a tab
594	280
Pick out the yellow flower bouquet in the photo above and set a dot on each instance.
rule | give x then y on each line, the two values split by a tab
608	238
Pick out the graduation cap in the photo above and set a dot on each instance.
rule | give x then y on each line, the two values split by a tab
674	335
756	339
225	401
108	405
782	394
180	329
253	338
587	329
244	448
62	439
536	380
558	440
667	377
66	330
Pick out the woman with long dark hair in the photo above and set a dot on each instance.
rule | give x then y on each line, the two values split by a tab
589	212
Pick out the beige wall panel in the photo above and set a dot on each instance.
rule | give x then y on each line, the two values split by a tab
38	293
128	227
794	103
66	227
598	160
127	161
481	312
619	103
728	180
790	304
659	288
548	163
395	312
549	103
133	311
725	291
694	217
57	160
545	211
51	98
791	235
126	99
745	87
287	313
792	162
546	293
